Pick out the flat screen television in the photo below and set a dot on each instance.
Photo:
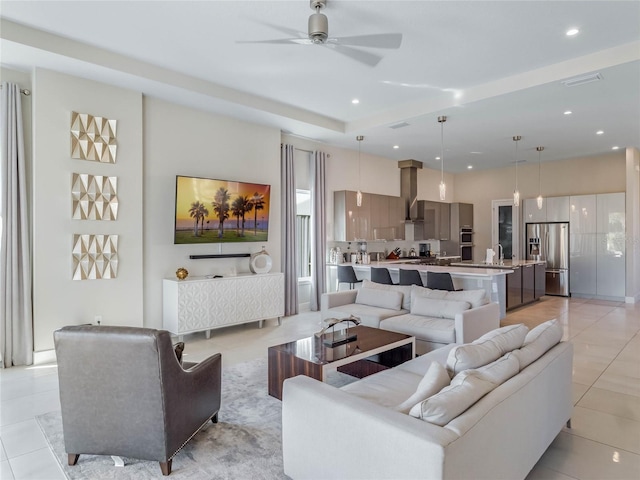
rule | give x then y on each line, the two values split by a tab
220	211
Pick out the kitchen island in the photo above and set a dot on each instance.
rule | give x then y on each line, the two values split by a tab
492	280
524	285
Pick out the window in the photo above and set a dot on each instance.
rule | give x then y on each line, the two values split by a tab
303	233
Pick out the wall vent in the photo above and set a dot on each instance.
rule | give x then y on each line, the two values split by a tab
399	125
572	82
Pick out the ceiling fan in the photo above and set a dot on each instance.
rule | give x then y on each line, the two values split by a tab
318	34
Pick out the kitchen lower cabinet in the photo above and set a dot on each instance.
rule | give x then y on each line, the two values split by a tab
540	284
528	283
514	288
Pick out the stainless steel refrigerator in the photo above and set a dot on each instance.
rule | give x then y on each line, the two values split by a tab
550	242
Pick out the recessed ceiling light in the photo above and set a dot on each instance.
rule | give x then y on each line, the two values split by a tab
572	31
475	153
437	158
396	146
615	148
599	132
355	101
469	167
568	112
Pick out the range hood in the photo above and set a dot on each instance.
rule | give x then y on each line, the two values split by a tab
413	226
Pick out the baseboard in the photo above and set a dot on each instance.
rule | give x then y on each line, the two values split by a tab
634	299
45	356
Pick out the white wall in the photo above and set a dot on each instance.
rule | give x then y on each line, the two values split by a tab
59	300
182	141
633	224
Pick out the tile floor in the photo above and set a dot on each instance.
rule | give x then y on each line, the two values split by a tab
603	444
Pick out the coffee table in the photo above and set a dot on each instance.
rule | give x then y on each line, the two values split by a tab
373	351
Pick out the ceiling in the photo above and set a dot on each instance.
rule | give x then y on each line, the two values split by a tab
494	68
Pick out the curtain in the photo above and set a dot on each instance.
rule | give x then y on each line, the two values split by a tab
288	215
303	250
318	231
16	317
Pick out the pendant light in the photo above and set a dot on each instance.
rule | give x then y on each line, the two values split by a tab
359	138
443	187
516	192
539	200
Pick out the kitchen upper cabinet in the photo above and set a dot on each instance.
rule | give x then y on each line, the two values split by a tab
531	213
381	217
554	209
557	209
582	213
610	213
436	217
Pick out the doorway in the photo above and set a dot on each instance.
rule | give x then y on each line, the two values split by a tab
505	229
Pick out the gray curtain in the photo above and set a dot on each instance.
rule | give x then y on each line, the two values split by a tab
16	317
288	185
318	231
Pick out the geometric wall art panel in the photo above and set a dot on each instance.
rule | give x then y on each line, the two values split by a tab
93	138
95	257
95	197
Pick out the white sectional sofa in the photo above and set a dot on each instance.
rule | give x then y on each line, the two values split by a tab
435	317
503	402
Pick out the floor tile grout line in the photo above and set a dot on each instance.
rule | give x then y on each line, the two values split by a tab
599	442
607	413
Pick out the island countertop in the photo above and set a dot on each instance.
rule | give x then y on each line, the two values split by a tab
507	264
395	265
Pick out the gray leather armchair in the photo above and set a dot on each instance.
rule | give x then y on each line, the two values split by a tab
123	392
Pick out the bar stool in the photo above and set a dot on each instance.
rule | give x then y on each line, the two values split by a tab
410	277
440	281
381	275
346	274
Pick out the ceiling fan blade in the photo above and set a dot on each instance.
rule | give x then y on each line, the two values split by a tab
381	40
367	58
285	30
280	41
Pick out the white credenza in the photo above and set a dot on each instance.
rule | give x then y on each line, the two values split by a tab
202	304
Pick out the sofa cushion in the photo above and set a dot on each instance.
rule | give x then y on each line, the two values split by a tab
437	330
404	289
433	381
387	388
486	349
417	291
435	307
465	390
379	298
538	341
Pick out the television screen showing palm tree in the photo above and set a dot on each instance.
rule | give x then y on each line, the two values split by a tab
214	211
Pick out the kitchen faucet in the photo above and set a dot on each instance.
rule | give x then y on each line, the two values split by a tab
500	254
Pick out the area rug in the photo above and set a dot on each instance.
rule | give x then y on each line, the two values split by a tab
245	444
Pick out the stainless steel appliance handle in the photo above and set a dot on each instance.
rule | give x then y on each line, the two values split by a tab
555	270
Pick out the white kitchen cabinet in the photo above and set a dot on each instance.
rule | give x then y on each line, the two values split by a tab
202	304
531	213
583	265
597	245
610	257
557	209
554	209
582	216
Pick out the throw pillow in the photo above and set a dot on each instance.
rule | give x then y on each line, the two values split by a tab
417	291
433	307
379	298
465	390
433	381
486	349
476	298
538	341
506	338
499	371
404	289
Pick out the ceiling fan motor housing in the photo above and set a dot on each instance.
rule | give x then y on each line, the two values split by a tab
318	28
